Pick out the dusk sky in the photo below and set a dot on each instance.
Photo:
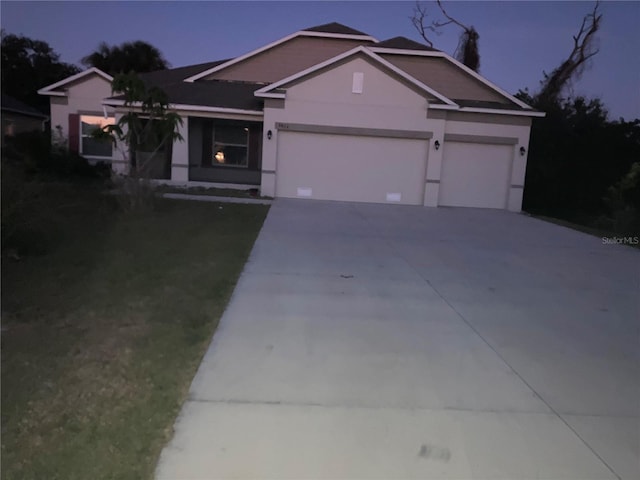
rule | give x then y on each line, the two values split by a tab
518	40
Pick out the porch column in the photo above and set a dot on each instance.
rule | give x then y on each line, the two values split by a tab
434	164
518	172
180	154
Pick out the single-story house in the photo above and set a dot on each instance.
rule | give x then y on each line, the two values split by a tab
18	117
329	113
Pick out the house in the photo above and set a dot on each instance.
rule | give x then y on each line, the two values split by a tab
18	117
76	110
330	113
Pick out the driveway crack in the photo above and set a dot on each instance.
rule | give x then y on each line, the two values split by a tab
504	360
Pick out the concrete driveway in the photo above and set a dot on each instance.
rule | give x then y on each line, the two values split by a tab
379	341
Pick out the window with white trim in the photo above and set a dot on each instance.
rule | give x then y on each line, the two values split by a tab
90	146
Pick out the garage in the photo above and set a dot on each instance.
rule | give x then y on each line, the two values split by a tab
475	175
357	168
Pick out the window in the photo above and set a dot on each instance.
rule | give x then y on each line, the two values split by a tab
90	146
230	146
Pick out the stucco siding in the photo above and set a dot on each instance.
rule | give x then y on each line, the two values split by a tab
445	78
285	59
365	168
327	99
82	97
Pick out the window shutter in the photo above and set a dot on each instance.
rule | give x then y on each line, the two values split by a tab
74	133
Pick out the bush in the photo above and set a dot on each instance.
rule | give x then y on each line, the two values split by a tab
29	164
623	201
33	150
24	213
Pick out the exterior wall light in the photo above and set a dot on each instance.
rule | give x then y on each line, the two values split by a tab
437	145
269	134
522	151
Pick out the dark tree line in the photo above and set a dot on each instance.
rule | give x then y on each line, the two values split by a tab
579	162
582	166
29	65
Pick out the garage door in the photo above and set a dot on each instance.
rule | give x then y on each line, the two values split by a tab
475	175
351	168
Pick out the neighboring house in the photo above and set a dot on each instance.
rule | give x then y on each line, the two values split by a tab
331	113
77	109
18	117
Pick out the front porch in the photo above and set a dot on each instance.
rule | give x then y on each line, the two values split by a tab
218	151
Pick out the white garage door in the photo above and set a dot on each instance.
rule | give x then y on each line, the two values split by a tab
351	168
475	175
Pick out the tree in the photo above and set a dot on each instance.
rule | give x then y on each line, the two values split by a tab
135	56
147	129
575	153
27	66
467	51
574	65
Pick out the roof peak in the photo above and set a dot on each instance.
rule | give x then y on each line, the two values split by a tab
335	27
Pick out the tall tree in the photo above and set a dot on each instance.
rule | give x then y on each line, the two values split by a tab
28	65
468	49
128	57
582	166
573	66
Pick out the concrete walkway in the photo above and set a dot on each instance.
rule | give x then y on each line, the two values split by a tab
377	341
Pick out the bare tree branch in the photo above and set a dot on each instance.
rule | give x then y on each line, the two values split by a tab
573	67
418	20
467	51
450	18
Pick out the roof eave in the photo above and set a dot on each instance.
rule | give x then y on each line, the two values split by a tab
270	95
49	90
193	108
23	112
495	111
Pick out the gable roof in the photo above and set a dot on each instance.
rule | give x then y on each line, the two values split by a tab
335	27
319	31
11	104
51	89
361	50
404	43
173	75
442	102
437	53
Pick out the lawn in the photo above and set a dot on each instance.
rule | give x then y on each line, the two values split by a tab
105	318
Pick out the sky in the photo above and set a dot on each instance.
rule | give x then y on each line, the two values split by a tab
518	40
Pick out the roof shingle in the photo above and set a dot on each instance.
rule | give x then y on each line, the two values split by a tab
213	93
335	27
173	75
14	105
404	43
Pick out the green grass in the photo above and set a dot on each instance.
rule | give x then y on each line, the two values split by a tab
104	325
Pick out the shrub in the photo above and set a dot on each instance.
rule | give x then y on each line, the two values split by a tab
623	201
34	151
